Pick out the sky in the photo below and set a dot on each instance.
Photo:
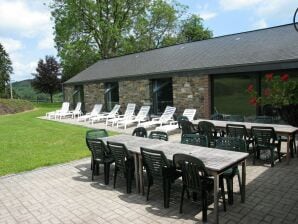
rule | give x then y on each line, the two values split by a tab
26	28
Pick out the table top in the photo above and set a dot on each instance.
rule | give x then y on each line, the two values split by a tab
214	159
279	128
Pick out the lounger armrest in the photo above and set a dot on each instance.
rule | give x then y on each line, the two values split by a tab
155	119
173	122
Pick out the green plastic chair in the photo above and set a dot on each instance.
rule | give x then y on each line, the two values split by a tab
160	135
237	118
208	129
232	144
195	139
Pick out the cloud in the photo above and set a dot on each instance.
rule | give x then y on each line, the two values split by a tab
47	42
11	45
24	70
16	15
260	24
207	15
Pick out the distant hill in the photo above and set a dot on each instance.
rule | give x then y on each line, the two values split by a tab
24	90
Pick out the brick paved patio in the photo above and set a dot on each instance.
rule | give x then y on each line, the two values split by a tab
66	194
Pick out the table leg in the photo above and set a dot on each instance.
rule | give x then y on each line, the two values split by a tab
141	175
243	181
288	148
135	157
216	186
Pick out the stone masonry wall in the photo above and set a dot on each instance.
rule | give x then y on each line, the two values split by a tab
134	91
93	93
192	92
67	92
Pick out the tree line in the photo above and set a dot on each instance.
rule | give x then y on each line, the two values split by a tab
86	31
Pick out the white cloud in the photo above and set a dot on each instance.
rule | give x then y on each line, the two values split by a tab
11	45
207	15
47	42
24	70
260	24
16	15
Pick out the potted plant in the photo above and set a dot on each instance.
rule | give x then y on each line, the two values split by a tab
281	93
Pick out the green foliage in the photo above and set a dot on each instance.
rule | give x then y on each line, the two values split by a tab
192	29
86	31
5	71
24	90
27	142
11	106
47	80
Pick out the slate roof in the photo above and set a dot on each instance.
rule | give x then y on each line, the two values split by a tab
259	47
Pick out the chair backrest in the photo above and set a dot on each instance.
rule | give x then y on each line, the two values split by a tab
143	113
236	130
159	135
187	127
140	132
263	136
96	109
231	144
120	154
98	148
78	107
154	161
217	116
207	128
167	114
193	169
194	139
189	113
65	107
264	119
95	134
115	110
130	110
238	118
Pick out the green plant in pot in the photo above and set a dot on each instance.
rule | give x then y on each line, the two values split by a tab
280	92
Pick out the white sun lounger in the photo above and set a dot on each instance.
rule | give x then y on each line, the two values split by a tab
189	113
165	118
128	115
141	117
111	114
64	109
95	111
76	112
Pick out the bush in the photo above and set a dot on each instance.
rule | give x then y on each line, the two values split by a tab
12	106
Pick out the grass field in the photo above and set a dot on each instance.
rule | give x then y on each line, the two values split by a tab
27	142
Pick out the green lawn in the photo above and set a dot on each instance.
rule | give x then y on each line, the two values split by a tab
27	142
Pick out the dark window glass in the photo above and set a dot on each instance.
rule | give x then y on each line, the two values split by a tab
78	96
230	96
162	94
111	95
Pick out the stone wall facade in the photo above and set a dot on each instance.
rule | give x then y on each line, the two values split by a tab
67	93
134	91
192	92
93	93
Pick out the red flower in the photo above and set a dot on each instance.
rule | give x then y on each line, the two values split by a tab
284	77
269	76
250	88
253	101
266	92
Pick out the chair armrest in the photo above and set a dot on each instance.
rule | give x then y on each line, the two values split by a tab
155	119
173	122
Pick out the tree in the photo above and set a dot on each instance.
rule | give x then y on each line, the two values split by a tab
89	30
5	71
192	29
47	79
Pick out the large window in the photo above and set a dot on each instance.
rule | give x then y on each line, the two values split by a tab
78	96
111	95
162	94
229	94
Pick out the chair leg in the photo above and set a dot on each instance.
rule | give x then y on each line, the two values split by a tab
92	173
115	176
128	181
222	187
182	197
204	205
107	173
240	184
254	155
148	191
230	190
272	157
166	192
278	151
